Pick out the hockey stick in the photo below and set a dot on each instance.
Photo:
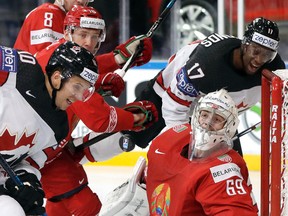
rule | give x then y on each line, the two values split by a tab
139	48
12	174
10	171
248	130
125	142
149	34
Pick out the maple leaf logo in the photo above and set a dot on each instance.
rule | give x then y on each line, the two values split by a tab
242	105
9	141
13	146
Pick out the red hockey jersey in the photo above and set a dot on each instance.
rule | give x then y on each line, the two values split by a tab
35	36
177	186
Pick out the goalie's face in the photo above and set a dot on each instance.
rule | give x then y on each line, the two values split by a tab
211	121
207	134
255	56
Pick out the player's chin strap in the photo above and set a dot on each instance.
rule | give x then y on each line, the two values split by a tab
54	92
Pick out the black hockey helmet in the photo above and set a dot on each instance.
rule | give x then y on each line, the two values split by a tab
72	59
263	32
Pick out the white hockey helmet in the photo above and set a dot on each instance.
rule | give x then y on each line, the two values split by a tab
204	141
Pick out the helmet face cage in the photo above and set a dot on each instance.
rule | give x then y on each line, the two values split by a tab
264	33
205	142
72	60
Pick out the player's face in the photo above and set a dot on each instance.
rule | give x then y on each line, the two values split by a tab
73	89
68	4
87	38
255	56
211	121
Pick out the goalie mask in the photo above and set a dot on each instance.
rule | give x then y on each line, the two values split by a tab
88	18
265	33
214	122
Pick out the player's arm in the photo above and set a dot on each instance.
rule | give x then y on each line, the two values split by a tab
111	82
176	89
98	116
118	57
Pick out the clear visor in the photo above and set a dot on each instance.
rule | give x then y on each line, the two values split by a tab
79	92
257	51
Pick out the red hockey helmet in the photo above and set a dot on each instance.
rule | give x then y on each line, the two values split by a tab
85	17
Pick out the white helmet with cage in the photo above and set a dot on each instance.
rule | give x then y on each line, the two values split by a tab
205	140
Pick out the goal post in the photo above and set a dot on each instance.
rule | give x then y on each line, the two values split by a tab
274	112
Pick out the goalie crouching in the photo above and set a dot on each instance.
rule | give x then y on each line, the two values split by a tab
192	169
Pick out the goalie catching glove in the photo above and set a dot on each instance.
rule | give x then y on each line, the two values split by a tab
110	84
149	111
123	51
29	195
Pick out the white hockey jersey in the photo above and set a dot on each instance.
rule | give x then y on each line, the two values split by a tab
29	123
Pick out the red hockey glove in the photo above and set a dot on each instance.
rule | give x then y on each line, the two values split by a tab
110	84
145	107
123	51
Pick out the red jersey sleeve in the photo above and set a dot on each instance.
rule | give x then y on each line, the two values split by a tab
106	63
42	26
97	115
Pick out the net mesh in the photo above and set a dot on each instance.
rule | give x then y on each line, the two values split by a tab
283	74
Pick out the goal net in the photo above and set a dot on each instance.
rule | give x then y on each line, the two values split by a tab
274	141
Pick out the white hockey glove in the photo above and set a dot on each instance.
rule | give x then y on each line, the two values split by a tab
128	197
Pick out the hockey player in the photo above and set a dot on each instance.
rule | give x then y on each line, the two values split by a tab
44	25
64	179
35	115
85	26
205	66
193	170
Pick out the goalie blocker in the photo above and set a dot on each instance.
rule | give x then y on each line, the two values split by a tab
129	198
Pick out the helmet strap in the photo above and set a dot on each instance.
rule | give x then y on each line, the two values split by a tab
54	92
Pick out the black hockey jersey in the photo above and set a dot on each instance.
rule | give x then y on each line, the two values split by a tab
202	67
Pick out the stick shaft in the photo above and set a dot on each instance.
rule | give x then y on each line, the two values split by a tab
248	130
10	171
149	34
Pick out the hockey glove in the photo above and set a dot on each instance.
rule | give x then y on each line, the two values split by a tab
143	107
123	51
29	195
110	84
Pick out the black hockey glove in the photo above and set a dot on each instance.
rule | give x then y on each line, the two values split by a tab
29	195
